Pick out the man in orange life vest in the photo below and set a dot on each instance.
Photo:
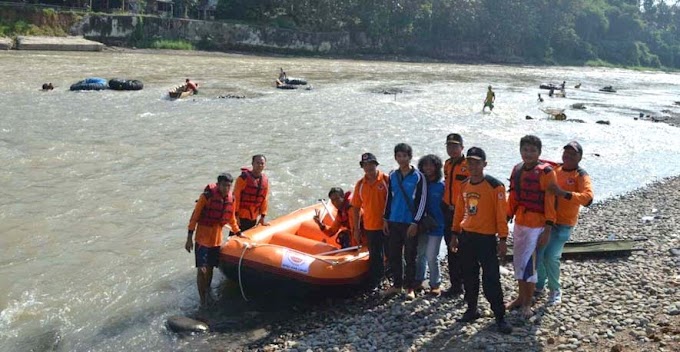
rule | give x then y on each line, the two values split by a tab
251	194
455	172
533	207
214	209
343	218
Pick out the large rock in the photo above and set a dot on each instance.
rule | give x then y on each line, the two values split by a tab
6	43
58	44
181	324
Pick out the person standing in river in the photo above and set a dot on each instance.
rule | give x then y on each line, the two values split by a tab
572	190
406	199
480	216
490	99
455	172
214	209
251	194
370	197
532	206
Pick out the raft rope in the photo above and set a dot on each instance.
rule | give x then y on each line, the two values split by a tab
240	261
247	246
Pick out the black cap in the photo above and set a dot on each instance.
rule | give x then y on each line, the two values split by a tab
454	138
476	153
367	158
225	176
575	146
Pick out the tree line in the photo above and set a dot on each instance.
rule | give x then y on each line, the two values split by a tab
623	32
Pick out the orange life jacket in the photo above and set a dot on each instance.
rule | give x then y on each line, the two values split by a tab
255	191
527	188
218	209
343	214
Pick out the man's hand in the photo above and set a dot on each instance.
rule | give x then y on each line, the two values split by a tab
554	188
239	234
189	245
502	249
412	230
263	222
386	228
357	235
453	247
545	236
317	216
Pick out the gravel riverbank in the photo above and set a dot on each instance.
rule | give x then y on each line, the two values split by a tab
618	304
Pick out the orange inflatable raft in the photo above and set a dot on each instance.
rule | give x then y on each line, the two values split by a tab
293	256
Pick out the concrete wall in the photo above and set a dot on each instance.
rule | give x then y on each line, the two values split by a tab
126	30
6	43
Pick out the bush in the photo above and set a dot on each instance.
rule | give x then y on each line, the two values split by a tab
171	44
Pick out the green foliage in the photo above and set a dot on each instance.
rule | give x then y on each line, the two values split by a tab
171	44
623	32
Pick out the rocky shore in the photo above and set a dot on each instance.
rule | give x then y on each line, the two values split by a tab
612	304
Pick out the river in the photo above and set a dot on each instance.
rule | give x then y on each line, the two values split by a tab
98	187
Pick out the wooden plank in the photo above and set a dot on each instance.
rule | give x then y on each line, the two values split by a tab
595	248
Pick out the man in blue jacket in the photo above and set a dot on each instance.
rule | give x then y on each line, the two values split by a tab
406	198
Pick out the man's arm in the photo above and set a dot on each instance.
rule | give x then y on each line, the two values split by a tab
193	222
264	207
420	198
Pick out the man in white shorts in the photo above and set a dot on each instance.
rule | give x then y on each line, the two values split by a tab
533	209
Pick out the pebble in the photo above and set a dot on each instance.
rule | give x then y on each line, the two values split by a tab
606	302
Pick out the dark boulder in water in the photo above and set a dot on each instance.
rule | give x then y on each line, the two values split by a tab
182	324
603	122
232	96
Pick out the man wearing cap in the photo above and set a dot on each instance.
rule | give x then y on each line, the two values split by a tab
370	196
214	209
480	219
572	190
455	172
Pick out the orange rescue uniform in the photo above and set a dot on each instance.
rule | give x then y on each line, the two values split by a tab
481	208
577	183
249	212
455	172
208	236
532	219
371	197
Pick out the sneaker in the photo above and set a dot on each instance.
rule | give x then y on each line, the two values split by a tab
503	326
436	291
555	297
410	294
539	292
392	291
470	315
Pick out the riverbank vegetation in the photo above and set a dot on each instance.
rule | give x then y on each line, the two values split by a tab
171	44
621	32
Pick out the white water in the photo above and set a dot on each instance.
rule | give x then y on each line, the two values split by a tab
97	187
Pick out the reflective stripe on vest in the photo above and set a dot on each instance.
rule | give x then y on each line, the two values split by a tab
255	191
218	209
527	186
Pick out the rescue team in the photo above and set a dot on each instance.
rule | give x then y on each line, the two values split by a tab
403	216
